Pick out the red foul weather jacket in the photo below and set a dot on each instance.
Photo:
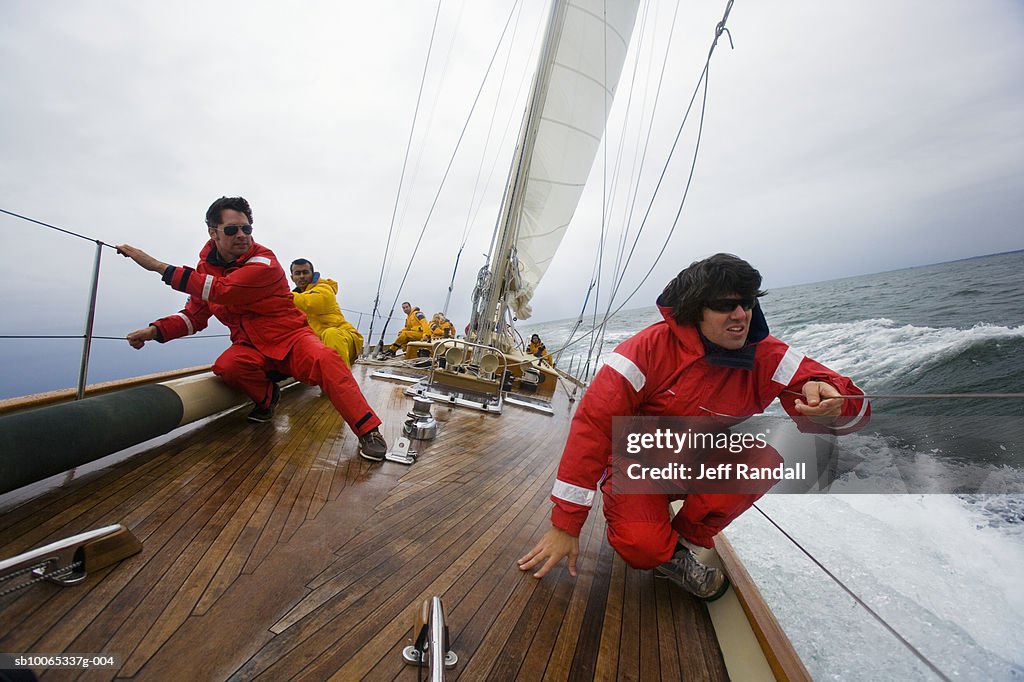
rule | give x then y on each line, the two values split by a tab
664	371
250	296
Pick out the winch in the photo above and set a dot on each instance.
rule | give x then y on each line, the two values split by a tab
421	425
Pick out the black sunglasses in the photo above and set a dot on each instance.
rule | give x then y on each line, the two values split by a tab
727	305
232	230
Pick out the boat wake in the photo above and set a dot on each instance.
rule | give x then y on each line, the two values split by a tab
935	567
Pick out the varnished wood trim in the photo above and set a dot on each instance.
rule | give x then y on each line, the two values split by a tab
778	650
111	549
40	399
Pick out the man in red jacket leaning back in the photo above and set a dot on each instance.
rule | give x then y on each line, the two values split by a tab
242	284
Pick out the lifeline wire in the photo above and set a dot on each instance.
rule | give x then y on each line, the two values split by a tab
59	229
891	629
105	338
918	396
925	396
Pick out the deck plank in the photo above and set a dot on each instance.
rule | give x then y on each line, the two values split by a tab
273	551
401	571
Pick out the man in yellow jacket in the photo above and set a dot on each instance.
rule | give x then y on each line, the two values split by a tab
317	297
537	349
441	327
416	328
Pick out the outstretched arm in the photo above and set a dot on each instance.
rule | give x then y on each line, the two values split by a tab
191	320
142	258
811	396
138	338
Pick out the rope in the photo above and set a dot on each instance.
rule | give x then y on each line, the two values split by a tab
921	396
105	338
59	229
891	629
45	576
929	396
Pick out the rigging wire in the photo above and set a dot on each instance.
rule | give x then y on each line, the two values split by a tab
444	178
625	124
472	214
537	34
405	161
105	338
598	342
59	229
924	396
702	80
604	193
647	140
914	650
426	133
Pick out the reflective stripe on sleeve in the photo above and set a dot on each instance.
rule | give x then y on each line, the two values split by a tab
626	367
188	323
573	493
207	286
259	259
788	366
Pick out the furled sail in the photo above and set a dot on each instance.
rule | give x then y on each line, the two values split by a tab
573	93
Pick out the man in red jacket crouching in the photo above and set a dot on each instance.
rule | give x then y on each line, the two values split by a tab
711	355
242	284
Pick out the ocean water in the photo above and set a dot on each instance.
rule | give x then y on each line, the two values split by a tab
945	571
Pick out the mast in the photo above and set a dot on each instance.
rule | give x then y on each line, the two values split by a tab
488	324
584	48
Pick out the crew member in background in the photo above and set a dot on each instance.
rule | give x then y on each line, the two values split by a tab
537	349
441	327
415	329
243	285
317	297
712	354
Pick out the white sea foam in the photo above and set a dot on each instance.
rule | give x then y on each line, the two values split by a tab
879	350
930	565
943	570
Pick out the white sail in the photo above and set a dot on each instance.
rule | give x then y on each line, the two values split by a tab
573	106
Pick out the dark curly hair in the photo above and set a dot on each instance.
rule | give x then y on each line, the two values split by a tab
300	261
234	203
708	279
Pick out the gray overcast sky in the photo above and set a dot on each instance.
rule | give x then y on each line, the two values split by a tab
841	138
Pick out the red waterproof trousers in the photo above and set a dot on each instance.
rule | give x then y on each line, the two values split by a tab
243	367
640	529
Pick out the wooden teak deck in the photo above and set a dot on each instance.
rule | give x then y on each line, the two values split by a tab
274	551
